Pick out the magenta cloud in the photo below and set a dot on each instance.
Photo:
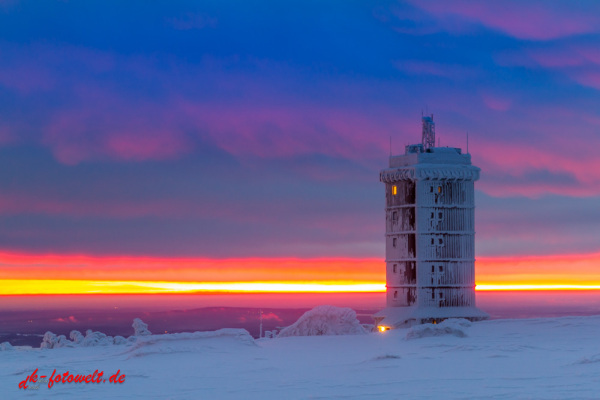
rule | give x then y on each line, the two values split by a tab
533	20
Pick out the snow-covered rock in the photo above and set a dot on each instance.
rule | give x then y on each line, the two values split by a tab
325	320
4	346
140	328
453	326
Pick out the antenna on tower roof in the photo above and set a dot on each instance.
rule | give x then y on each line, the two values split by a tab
428	132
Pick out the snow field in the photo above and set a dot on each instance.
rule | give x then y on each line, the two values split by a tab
553	358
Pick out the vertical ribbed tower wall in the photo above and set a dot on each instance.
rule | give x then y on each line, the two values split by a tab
430	237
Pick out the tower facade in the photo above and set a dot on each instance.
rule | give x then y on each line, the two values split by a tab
430	234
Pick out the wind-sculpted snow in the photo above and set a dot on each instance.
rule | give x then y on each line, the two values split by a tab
190	342
455	327
590	360
325	320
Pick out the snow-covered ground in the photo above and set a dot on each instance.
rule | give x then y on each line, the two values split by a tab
556	358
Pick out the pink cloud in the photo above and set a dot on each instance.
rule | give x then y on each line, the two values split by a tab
271	131
70	318
26	78
495	102
556	57
589	78
130	145
106	126
6	136
579	63
436	69
524	20
516	160
271	316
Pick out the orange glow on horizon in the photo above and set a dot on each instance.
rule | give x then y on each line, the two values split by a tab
22	273
38	286
485	288
22	287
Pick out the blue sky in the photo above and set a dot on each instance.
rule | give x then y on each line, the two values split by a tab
230	129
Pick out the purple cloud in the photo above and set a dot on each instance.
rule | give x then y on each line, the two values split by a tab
534	20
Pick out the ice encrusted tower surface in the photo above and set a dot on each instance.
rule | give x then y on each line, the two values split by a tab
430	234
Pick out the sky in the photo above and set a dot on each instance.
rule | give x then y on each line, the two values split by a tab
228	141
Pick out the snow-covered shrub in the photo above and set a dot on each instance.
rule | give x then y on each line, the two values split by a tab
4	346
325	320
93	339
119	340
62	341
453	326
140	328
76	337
49	341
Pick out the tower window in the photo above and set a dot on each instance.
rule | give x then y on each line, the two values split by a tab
439	189
431	189
396	294
394	242
440	241
432	242
432	215
441	268
395	217
440	215
433	294
394	190
441	295
395	268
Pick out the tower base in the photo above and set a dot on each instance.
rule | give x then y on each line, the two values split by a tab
404	317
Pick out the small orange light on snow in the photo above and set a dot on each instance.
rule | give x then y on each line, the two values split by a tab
383	328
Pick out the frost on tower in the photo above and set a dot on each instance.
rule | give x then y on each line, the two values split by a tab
430	234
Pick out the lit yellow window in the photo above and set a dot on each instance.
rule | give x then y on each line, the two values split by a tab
439	189
394	190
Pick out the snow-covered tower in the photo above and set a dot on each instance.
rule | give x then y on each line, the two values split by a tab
430	234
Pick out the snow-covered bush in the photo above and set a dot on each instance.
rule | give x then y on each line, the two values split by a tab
325	320
453	326
120	340
76	337
91	338
49	340
140	328
4	346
